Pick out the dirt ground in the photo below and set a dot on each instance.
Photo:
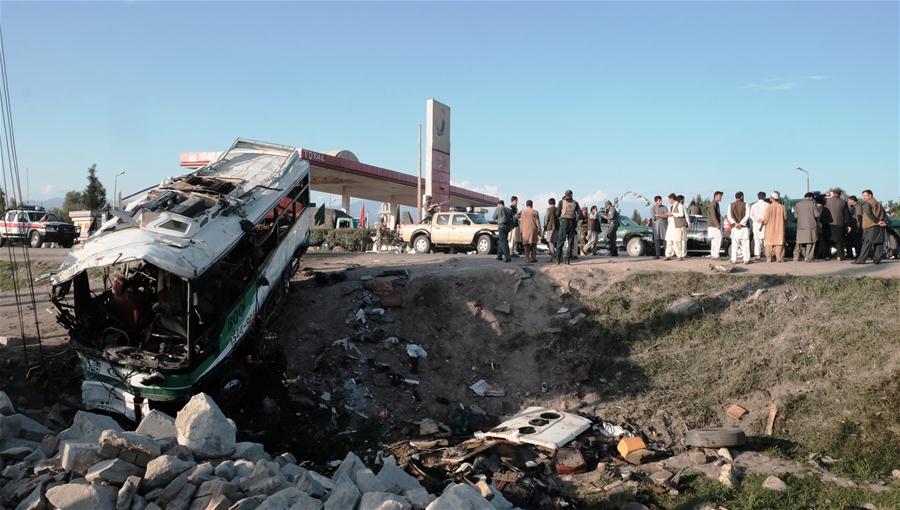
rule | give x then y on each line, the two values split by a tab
818	340
626	361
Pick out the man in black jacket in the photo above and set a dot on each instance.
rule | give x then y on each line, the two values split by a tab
611	215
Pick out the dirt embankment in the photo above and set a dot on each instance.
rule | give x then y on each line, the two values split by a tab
823	349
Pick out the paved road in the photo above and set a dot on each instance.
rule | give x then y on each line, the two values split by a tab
887	269
51	254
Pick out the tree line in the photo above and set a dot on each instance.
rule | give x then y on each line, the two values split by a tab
91	198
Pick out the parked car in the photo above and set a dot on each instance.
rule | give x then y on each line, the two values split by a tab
698	241
636	239
451	230
36	226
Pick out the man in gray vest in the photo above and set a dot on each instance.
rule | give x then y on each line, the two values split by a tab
569	213
807	215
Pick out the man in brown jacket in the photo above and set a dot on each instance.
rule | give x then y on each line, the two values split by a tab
551	225
873	225
530	226
774	221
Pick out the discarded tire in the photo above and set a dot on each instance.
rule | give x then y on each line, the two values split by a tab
715	437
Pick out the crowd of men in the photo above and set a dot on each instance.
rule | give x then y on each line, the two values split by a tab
836	224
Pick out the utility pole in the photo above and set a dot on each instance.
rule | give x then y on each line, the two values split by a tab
115	188
807	178
419	181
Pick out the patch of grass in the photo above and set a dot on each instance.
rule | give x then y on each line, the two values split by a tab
822	342
7	269
803	493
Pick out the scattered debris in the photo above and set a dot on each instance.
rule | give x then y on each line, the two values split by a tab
578	318
416	351
770	421
483	388
715	437
503	308
721	268
756	295
570	461
735	411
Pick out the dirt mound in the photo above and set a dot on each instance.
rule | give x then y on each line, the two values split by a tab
755	340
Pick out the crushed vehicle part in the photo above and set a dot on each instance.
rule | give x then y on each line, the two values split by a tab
192	270
540	426
570	461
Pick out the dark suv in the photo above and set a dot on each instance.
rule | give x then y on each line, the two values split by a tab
36	226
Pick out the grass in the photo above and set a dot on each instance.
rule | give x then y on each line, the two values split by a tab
822	347
803	493
7	269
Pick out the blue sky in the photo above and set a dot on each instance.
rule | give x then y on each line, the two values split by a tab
601	98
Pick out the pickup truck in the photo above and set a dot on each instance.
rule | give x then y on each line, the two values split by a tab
451	230
35	226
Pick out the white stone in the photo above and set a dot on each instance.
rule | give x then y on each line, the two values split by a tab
243	468
162	470
383	501
419	498
204	429
282	499
250	451
366	481
685	306
343	497
126	493
292	472
396	480
306	502
250	503
349	466
78	457
77	496
20	426
460	497
112	472
225	470
6	405
773	483
157	425
312	483
87	427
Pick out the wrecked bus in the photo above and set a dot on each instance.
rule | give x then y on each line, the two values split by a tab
170	296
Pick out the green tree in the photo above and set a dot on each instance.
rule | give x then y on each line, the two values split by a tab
636	216
2	201
94	194
892	207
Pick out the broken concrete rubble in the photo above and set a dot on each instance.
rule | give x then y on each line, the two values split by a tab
202	427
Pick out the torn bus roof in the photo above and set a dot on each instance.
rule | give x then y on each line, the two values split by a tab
184	225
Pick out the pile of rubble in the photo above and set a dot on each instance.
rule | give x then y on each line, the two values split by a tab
193	462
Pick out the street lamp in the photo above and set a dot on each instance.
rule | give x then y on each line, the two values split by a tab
807	177
116	189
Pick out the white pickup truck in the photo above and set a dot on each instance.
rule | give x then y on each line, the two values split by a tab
451	230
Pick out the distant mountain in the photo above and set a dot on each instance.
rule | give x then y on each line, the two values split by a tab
49	203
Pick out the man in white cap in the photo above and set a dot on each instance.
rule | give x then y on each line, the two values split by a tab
775	220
